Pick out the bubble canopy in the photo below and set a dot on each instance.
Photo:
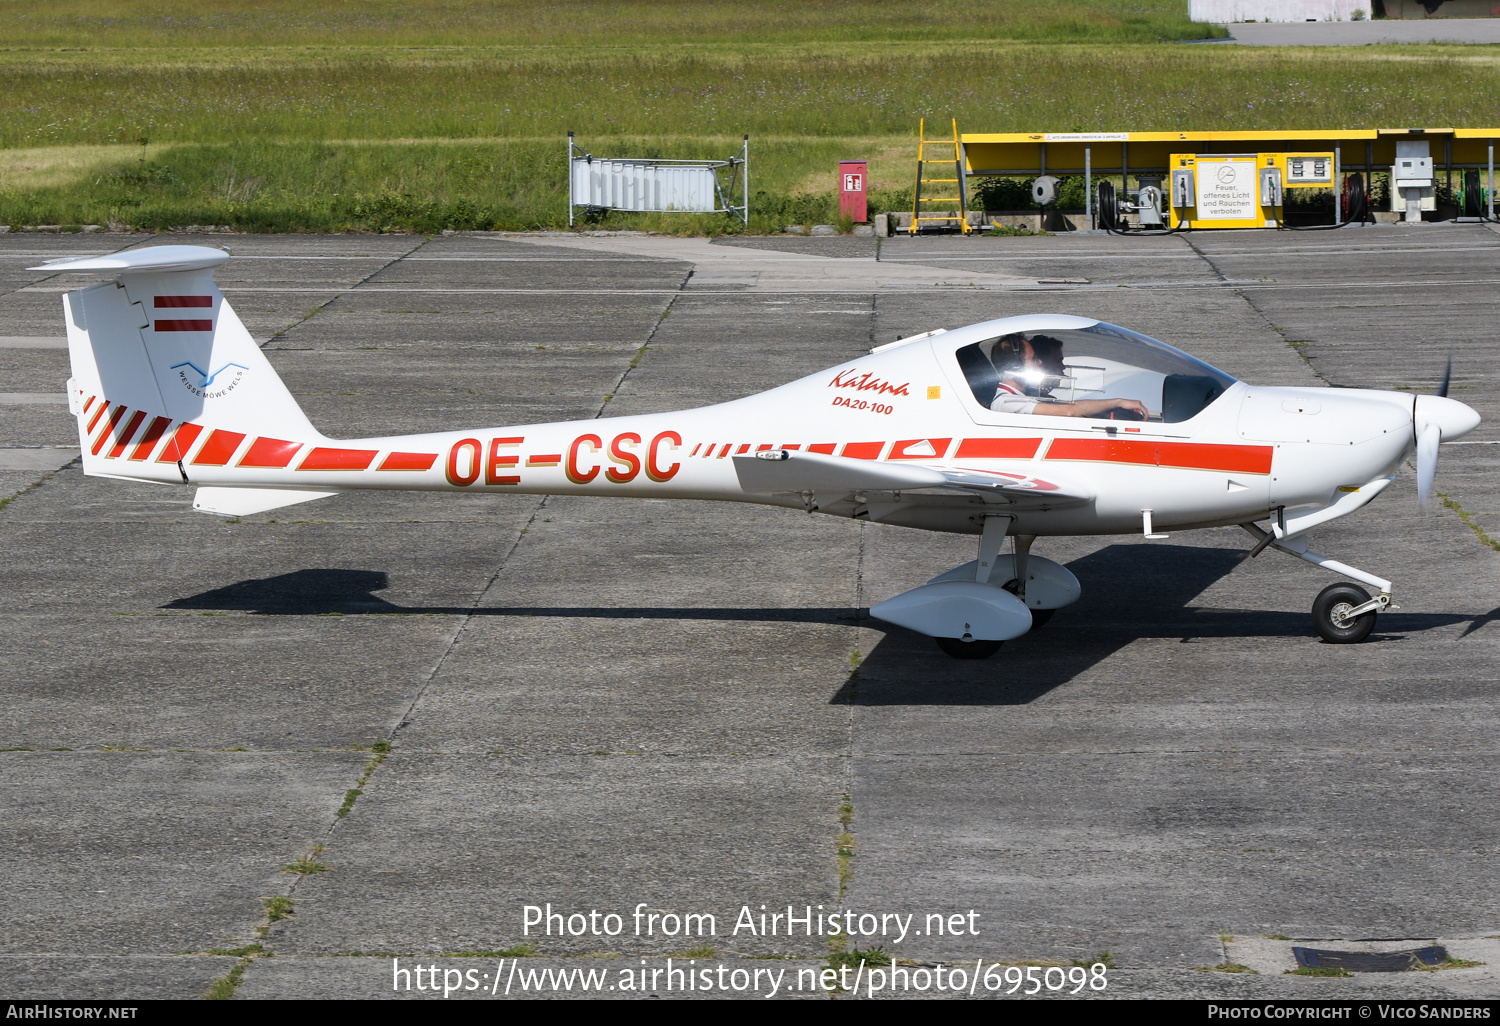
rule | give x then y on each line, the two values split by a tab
1070	367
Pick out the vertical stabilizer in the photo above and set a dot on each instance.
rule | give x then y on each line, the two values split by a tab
161	365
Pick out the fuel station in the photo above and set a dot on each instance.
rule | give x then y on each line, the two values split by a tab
1177	181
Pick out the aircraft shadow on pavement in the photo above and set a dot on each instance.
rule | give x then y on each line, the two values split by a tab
1129	592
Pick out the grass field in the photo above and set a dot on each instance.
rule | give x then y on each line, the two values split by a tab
578	23
274	116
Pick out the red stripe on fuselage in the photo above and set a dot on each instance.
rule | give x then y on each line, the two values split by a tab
324	458
997	448
424	461
124	437
939	446
181	442
218	449
109	426
150	438
862	450
269	454
1238	459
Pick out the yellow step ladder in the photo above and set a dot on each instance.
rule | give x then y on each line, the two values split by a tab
921	203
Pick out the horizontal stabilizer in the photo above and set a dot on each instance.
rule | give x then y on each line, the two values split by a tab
154	259
241	502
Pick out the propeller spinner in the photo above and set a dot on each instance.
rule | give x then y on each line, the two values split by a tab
1436	418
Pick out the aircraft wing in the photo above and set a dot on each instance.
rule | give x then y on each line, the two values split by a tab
833	478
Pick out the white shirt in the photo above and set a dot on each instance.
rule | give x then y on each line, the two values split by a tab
1009	399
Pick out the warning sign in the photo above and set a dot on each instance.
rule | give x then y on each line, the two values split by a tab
1226	190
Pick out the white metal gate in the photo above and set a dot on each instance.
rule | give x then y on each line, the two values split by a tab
659	186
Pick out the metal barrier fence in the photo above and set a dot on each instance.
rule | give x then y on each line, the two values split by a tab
658	186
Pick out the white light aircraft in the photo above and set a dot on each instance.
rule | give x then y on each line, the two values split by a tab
1020	428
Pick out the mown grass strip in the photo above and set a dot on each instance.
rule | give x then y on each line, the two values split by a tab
814	91
215	23
267	115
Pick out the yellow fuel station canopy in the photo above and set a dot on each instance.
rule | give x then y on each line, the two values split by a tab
1034	153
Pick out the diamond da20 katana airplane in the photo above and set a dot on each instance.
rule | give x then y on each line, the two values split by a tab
1016	428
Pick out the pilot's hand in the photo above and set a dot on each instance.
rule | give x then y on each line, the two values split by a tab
1133	404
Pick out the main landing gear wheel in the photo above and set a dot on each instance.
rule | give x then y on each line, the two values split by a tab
1330	614
960	649
1038	616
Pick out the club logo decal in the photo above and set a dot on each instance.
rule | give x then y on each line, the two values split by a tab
205	387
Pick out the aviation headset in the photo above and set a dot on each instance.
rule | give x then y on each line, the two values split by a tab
1009	358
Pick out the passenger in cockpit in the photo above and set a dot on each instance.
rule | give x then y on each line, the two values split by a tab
1031	368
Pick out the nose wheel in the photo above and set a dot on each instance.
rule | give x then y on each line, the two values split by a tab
958	648
1343	613
1334	617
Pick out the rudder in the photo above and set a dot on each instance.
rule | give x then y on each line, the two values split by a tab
163	367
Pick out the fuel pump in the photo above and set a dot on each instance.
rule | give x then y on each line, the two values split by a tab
1270	187
1412	185
1240	190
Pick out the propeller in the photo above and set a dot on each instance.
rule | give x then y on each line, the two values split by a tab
1436	418
1428	437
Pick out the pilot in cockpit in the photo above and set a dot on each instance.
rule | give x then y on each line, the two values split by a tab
1031	368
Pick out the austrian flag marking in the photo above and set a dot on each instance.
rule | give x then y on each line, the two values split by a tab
183	303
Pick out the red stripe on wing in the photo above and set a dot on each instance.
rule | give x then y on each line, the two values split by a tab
174	302
205	325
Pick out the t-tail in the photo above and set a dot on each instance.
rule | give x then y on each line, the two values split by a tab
169	387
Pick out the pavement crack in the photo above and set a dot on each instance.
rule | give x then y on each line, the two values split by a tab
313	311
1467	518
1204	257
39	482
640	353
1298	346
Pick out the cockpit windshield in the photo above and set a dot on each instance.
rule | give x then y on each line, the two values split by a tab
1101	371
